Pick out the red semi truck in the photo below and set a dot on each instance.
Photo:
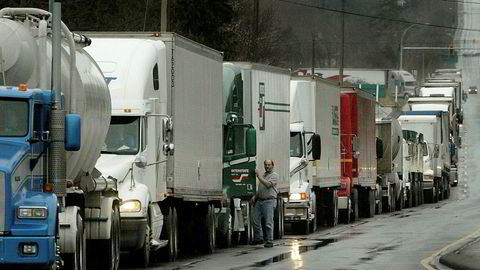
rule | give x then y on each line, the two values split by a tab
358	195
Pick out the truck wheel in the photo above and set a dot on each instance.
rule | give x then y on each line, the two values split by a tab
408	203
224	231
371	203
440	191
208	230
400	203
278	220
143	254
333	209
313	223
415	195
422	194
429	195
77	260
110	260
170	221
354	214
304	227
378	207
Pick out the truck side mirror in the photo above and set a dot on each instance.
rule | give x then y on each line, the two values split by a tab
167	127
251	142
316	147
436	151
379	145
141	161
73	132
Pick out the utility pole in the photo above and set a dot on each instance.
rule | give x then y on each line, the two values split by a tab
342	56
255	43
163	18
313	54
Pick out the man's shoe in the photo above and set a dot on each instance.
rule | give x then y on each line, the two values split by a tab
256	242
268	244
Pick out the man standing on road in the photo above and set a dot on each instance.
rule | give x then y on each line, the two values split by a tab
265	202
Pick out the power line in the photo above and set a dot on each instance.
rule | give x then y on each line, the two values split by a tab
378	17
460	1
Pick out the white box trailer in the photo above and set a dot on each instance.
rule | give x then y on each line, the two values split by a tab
314	152
167	93
266	105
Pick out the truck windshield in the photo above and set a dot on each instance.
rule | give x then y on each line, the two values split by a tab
296	147
13	118
123	136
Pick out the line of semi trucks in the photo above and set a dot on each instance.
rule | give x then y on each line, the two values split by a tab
147	143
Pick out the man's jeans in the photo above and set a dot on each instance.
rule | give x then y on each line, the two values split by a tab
264	210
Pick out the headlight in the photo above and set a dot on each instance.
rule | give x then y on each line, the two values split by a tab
295	196
131	206
25	212
299	196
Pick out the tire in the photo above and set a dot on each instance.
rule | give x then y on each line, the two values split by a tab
143	254
77	261
333	209
110	260
314	222
378	207
225	230
208	242
393	204
371	203
408	203
170	221
400	203
278	220
354	214
429	195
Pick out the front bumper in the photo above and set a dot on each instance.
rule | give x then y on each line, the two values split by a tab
11	254
295	212
133	233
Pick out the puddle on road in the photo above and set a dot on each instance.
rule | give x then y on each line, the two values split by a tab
294	253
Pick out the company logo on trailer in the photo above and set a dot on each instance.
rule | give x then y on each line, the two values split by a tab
239	174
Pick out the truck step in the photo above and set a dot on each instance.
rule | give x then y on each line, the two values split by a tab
155	245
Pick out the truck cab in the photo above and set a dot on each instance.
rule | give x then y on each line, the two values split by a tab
28	211
301	205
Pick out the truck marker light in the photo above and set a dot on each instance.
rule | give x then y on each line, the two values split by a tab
23	87
127	110
48	187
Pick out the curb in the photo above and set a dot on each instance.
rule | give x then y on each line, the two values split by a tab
459	262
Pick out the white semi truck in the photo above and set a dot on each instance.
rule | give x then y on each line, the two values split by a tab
163	141
434	127
314	153
56	207
414	149
259	96
445	104
390	165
